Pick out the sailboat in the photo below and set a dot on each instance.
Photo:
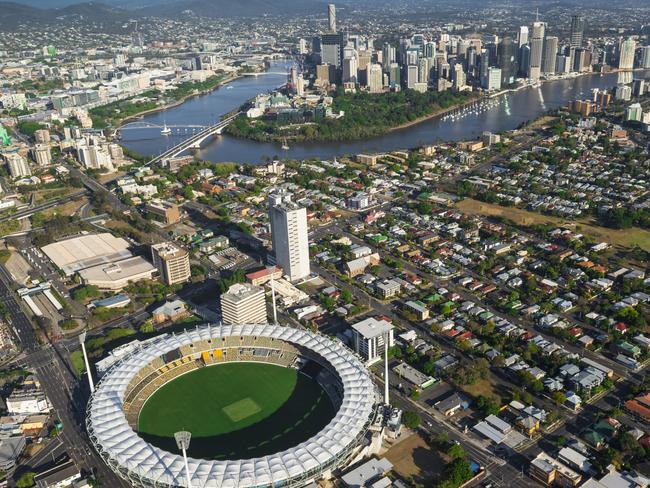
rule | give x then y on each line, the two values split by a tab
165	131
285	146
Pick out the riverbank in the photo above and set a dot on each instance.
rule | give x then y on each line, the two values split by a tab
180	101
513	109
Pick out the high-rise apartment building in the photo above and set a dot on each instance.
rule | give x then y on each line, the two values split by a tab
370	337
626	53
173	263
18	165
243	303
289	233
42	155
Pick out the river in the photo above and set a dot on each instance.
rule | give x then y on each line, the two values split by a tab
506	112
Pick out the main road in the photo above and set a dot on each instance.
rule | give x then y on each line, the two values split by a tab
67	396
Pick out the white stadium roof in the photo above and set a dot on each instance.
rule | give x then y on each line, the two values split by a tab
146	465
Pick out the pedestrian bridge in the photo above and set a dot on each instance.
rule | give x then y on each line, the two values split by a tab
195	141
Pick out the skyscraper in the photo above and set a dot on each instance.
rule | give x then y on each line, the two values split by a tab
243	304
350	69
389	54
536	50
577	30
423	70
289	234
626	54
375	78
645	57
522	35
411	75
331	17
550	53
507	60
332	49
18	166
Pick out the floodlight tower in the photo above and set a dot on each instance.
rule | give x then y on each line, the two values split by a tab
271	271
183	442
82	340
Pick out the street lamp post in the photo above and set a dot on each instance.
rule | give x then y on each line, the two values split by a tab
82	341
183	443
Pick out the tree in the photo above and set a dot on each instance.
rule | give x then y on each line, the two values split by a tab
346	296
26	480
411	419
558	397
456	451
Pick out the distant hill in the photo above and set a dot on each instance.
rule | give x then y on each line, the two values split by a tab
234	8
14	14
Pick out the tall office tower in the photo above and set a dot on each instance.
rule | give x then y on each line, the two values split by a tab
429	49
645	57
394	75
444	70
550	54
411	76
493	53
524	60
404	44
507	60
42	155
289	233
626	54
472	58
536	50
484	66
562	64
331	17
580	63
577	30
493	79
375	78
522	35
423	70
332	49
461	47
350	70
293	75
173	263
412	55
389	54
243	304
300	86
417	40
303	47
458	77
18	166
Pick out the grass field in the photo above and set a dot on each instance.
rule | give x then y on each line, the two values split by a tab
625	238
236	411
